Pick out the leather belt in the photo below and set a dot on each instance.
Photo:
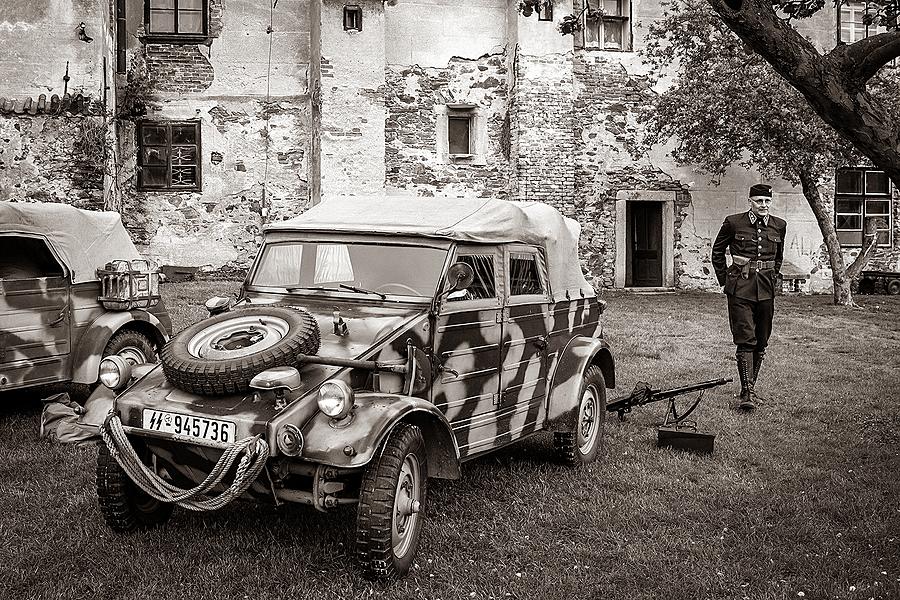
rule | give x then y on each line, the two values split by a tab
757	265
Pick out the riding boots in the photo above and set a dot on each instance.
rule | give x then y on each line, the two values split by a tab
745	365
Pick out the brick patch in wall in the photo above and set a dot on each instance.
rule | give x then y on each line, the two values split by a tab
177	68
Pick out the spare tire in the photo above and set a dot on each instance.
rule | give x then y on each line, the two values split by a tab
220	355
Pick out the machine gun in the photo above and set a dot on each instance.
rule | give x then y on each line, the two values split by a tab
676	431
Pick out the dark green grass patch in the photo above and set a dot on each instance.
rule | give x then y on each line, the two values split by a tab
798	498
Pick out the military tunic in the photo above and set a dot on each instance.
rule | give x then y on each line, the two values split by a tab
756	245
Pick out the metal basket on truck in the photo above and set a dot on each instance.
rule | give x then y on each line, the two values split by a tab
129	284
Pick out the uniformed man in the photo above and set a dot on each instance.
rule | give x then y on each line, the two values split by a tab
756	242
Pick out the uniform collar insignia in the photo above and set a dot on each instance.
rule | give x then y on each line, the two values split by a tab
753	218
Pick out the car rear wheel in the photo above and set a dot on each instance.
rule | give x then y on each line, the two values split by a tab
582	444
391	500
124	506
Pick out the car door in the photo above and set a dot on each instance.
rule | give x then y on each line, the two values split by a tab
35	338
523	353
467	352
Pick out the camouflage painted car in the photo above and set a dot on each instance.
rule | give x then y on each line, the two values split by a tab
375	343
54	326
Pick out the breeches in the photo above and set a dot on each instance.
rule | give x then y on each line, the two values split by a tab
751	323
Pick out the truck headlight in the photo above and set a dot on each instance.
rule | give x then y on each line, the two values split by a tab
115	372
335	399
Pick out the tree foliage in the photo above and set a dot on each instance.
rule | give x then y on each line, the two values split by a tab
841	83
728	106
725	105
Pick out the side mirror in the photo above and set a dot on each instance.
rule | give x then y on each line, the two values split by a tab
218	304
460	276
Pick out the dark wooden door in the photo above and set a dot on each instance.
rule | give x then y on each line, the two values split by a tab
645	229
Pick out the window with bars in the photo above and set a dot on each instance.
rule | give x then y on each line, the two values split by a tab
483	285
607	24
545	11
169	156
176	18
860	195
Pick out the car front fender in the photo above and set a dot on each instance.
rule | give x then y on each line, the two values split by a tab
356	442
87	356
579	353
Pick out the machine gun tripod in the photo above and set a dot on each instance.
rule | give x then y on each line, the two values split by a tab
676	431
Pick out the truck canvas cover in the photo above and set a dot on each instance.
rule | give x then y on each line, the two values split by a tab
83	240
472	220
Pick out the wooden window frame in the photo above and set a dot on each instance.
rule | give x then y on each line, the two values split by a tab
864	197
353	12
469	118
623	18
168	187
175	37
545	11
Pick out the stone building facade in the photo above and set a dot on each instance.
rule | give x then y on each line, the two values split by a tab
200	120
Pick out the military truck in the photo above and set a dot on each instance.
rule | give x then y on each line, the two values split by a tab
58	316
376	343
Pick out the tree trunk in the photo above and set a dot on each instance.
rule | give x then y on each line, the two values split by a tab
842	276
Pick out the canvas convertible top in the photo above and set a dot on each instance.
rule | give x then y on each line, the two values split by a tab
478	220
84	240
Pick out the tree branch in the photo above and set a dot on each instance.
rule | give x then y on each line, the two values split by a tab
861	60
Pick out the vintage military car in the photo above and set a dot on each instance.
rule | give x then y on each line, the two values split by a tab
376	342
58	316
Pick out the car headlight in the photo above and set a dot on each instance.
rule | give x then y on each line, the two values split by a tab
335	399
115	372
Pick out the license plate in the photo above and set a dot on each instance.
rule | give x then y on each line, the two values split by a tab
200	428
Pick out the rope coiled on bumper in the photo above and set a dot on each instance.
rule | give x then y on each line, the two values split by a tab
252	451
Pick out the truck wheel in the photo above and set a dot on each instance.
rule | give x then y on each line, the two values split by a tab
893	288
134	347
582	444
220	355
124	506
391	499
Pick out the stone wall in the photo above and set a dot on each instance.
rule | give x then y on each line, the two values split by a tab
52	158
545	122
416	159
607	102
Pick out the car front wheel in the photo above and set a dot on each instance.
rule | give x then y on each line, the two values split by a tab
124	506
391	501
582	444
134	347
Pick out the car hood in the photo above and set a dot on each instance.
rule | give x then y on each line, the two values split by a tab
370	327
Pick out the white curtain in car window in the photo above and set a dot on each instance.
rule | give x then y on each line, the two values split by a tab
333	263
280	265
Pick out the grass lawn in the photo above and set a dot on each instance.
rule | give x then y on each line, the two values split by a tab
800	499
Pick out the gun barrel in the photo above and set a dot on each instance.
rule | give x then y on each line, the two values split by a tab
687	389
647	395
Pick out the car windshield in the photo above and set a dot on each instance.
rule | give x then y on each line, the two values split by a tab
376	269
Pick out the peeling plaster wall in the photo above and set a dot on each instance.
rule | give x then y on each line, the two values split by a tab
41	162
429	33
353	98
255	120
29	67
43	156
415	157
